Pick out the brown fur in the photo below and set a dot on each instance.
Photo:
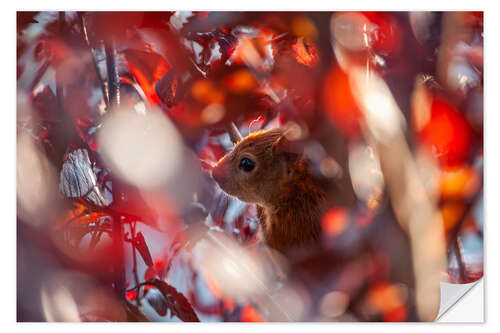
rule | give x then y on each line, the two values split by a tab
290	201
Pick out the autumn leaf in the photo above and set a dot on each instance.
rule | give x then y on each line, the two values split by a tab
142	247
147	68
80	214
176	302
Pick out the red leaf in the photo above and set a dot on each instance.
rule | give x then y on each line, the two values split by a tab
79	215
386	36
159	267
131	295
150	273
156	20
157	301
134	206
396	315
24	19
305	52
112	25
147	68
142	247
249	314
447	133
170	88
340	104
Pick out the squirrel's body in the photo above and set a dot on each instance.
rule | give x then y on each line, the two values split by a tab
295	221
265	169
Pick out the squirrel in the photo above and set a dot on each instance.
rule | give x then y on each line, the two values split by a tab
269	170
278	175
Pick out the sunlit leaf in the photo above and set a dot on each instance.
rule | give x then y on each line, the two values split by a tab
305	52
250	314
147	68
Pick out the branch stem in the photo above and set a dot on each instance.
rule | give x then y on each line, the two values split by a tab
113	77
94	60
118	219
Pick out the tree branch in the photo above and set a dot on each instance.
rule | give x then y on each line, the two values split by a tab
134	258
104	90
118	244
113	77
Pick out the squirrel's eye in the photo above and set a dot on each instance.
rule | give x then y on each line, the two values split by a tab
246	164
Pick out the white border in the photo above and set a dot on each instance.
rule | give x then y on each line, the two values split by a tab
7	112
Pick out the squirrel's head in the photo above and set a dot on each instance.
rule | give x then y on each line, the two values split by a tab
257	167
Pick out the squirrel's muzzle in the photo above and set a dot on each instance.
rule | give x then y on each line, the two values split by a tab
221	173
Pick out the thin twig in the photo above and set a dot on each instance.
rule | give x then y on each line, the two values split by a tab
59	88
114	102
459	256
104	90
466	212
96	237
134	258
454	241
113	77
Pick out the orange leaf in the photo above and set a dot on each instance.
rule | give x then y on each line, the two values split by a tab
335	221
305	52
250	314
80	214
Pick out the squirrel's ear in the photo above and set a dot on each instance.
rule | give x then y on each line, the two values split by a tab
287	148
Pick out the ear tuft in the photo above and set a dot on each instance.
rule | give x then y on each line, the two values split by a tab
290	150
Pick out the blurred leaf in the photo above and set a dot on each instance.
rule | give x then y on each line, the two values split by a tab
111	25
447	134
385	35
458	182
176	302
150	273
134	314
249	314
142	247
157	301
131	295
157	20
240	81
80	215
220	39
134	207
95	316
340	104
147	68
24	19
170	88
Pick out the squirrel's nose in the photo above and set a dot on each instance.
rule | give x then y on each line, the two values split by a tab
221	172
217	172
